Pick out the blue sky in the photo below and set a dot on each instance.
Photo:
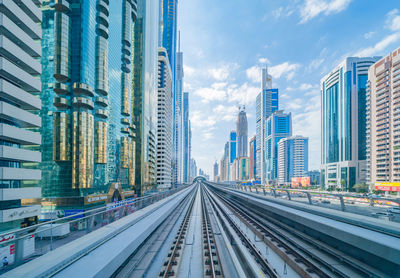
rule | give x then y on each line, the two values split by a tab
226	42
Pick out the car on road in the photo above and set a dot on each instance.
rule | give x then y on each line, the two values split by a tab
325	202
395	210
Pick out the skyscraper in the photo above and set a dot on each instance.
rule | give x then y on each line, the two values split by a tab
20	86
266	103
164	126
252	158
186	137
383	145
177	174
292	158
215	171
343	107
88	138
146	34
277	127
242	134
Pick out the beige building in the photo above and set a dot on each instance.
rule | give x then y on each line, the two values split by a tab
383	121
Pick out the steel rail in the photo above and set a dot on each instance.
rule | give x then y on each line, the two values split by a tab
130	264
209	243
167	269
259	258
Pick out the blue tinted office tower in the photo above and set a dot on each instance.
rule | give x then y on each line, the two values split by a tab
266	103
86	114
242	134
168	23
232	146
178	122
277	127
343	123
186	138
292	158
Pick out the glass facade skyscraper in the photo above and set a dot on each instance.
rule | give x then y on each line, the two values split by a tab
242	134
343	123
86	98
267	102
277	127
292	158
186	138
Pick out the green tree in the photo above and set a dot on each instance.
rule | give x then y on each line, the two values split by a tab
361	187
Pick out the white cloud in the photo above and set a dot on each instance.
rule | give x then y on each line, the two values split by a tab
225	113
379	46
213	93
244	94
223	72
198	119
369	35
285	68
393	20
316	63
313	8
188	71
302	87
254	74
281	12
263	60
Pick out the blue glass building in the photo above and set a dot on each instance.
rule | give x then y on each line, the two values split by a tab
186	138
277	127
343	123
267	102
292	158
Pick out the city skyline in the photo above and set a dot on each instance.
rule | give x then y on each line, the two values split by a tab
220	81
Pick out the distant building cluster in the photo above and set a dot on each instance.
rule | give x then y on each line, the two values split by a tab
272	155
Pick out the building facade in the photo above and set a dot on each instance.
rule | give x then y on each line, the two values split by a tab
266	103
216	171
20	86
292	158
164	126
252	158
383	119
277	127
177	169
86	98
186	138
242	134
146	34
343	123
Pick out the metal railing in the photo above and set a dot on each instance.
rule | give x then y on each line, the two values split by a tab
49	235
343	198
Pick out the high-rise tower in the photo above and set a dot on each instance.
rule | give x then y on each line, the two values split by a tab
20	86
242	134
343	123
86	98
266	104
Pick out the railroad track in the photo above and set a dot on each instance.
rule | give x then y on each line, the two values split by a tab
306	255
130	267
263	264
212	266
171	265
